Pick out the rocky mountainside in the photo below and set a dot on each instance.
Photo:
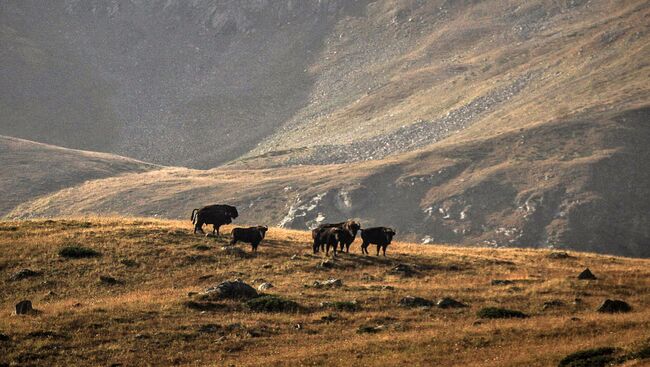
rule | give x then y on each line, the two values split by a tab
496	123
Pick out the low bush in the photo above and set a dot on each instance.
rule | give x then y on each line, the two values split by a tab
499	313
270	303
78	252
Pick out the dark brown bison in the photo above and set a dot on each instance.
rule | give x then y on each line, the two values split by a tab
351	228
380	236
252	235
217	215
328	237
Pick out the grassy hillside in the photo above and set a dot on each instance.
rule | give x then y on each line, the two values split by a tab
30	169
145	317
588	191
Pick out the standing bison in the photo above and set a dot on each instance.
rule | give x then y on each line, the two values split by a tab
346	236
217	215
380	236
329	237
252	235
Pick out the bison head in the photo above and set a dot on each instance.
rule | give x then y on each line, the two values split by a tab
353	226
389	234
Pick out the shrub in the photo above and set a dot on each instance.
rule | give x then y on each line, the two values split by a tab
270	303
598	357
78	252
499	313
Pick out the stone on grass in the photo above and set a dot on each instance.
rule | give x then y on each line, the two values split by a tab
24	274
500	313
231	289
587	275
326	264
265	286
614	306
109	280
502	282
410	301
559	255
552	304
403	270
330	283
450	303
24	307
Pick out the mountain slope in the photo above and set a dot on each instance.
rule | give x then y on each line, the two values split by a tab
201	83
148	310
588	192
32	169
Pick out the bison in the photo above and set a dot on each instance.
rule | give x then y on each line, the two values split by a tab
329	237
347	237
217	215
380	236
252	235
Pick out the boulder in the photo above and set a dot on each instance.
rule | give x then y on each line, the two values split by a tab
614	306
587	275
232	289
24	307
330	283
410	301
449	303
552	304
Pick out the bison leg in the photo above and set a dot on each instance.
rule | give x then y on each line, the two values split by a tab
316	246
364	247
254	245
384	249
378	247
233	241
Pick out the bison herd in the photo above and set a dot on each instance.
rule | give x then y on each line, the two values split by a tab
326	236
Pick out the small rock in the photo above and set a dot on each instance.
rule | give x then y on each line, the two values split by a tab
235	289
210	328
587	275
24	274
410	301
192	294
330	317
326	264
265	286
449	303
552	304
109	280
50	294
559	255
129	263
502	282
4	337
24	307
403	270
267	266
370	329
330	283
211	235
294	257
614	306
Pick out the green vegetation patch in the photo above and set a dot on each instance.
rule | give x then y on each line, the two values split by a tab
269	303
598	357
500	313
78	252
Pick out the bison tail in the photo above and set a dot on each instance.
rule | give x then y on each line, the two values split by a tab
193	217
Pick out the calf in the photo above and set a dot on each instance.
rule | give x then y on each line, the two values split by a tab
252	235
380	236
328	237
351	228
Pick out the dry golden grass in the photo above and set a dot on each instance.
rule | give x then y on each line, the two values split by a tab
144	321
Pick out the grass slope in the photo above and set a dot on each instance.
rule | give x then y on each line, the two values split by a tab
143	319
30	169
